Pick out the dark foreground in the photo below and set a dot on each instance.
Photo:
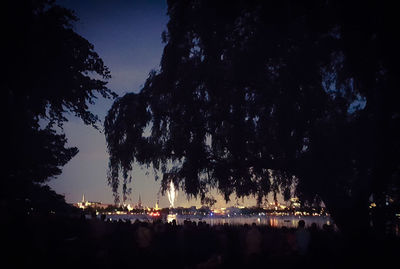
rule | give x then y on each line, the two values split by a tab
79	243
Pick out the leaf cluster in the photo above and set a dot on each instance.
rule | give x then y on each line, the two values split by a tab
50	70
265	95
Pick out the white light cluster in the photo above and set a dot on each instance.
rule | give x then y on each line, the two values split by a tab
172	194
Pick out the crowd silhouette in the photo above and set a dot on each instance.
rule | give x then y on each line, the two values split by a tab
100	242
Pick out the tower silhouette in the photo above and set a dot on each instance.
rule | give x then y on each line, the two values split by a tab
139	205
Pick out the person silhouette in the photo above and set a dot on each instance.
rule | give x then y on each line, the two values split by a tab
302	238
253	244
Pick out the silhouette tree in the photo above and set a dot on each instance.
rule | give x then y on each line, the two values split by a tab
49	70
267	96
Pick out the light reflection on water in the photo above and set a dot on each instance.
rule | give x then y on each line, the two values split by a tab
273	221
171	217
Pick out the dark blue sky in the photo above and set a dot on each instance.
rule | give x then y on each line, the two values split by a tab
127	36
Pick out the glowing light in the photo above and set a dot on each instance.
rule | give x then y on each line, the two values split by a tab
154	214
273	222
171	217
172	194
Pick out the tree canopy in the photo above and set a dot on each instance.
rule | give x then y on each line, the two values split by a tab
256	97
50	70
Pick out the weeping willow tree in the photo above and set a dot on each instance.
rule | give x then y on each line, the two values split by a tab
257	97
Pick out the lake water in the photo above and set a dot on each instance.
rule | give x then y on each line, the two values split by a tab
273	221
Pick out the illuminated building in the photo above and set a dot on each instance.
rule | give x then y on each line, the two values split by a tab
139	204
156	207
85	204
294	202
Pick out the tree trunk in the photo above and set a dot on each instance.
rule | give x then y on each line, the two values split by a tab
350	216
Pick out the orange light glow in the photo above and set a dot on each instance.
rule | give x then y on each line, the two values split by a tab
154	214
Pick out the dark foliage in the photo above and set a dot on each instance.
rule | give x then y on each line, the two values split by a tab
262	96
49	71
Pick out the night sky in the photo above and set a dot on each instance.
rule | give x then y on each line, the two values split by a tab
127	36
